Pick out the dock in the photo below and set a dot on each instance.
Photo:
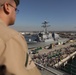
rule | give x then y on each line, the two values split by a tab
52	69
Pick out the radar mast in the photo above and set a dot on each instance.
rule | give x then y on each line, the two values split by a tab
45	26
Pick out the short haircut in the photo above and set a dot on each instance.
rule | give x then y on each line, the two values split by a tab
17	2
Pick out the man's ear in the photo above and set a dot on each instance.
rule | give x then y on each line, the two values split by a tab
6	8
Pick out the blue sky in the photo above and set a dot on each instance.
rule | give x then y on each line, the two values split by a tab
61	15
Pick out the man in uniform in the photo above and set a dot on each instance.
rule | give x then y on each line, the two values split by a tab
13	48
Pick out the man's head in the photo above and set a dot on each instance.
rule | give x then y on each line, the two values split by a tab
8	9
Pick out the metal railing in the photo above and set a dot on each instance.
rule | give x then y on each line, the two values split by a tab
41	66
51	70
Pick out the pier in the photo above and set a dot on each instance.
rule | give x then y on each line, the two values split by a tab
52	59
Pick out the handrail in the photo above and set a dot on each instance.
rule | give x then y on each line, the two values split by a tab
53	71
45	68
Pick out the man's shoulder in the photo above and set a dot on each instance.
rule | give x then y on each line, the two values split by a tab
7	33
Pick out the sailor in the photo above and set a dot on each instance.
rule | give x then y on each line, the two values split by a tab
13	48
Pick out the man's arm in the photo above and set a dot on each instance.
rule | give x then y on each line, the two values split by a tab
15	56
2	50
